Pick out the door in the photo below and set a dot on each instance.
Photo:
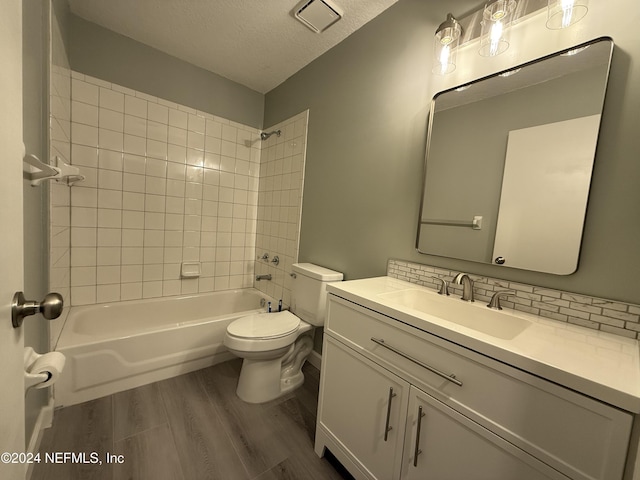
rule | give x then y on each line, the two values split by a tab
11	340
444	444
364	407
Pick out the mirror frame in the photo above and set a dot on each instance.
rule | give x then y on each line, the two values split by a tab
432	110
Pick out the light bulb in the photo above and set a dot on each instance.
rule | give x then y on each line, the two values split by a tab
564	13
446	40
495	22
495	37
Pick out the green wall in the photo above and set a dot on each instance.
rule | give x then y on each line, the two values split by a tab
368	99
104	54
368	103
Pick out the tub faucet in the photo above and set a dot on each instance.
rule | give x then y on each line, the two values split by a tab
263	277
467	286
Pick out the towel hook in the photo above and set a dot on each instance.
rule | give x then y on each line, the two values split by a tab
62	172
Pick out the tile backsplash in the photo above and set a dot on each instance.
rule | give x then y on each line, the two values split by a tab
165	184
600	314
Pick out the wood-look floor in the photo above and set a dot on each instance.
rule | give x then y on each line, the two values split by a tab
191	427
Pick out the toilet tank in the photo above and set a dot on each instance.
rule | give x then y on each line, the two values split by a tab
309	291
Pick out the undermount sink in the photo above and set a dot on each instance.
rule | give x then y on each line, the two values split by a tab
474	316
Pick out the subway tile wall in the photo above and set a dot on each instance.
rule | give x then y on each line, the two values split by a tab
597	313
165	184
280	204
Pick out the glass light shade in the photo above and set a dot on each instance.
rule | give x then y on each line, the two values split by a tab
445	47
494	38
564	13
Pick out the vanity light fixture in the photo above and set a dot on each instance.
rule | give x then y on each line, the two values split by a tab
564	13
445	45
496	18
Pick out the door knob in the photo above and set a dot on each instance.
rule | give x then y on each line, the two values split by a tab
50	307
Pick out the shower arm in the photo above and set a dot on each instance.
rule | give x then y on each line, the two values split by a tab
265	135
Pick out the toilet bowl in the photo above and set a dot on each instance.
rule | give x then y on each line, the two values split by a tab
274	346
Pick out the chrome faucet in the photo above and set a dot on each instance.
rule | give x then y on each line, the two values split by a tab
263	277
467	286
495	299
444	286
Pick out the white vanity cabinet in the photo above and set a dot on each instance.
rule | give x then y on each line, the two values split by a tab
444	444
481	419
364	407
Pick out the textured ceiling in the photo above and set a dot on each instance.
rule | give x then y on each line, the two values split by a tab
257	43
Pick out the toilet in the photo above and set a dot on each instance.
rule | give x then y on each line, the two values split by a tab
274	346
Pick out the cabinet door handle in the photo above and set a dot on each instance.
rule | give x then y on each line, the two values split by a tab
452	378
417	450
387	427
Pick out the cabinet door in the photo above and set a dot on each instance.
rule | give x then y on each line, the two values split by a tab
450	446
363	407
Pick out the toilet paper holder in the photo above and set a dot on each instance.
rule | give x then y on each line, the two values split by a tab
50	307
41	370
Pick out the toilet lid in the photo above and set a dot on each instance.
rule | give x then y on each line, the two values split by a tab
264	325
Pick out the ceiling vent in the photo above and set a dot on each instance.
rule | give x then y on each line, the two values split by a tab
318	15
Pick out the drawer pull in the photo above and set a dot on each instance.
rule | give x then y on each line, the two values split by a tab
417	450
387	427
452	378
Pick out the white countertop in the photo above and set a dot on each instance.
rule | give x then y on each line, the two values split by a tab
598	364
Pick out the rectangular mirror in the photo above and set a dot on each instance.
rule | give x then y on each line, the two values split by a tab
509	161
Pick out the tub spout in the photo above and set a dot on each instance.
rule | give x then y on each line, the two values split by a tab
263	277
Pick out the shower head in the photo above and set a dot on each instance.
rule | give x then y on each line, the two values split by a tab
265	135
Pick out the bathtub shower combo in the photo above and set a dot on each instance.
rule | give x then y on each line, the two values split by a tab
118	346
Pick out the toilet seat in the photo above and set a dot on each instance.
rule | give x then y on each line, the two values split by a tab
263	332
264	325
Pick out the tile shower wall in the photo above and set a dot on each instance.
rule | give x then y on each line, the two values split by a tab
59	146
166	184
280	204
600	314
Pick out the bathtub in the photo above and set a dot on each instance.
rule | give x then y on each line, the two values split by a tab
118	346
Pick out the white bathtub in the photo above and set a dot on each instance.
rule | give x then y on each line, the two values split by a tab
118	346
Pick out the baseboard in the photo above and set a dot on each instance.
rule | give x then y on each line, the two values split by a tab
44	420
315	359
